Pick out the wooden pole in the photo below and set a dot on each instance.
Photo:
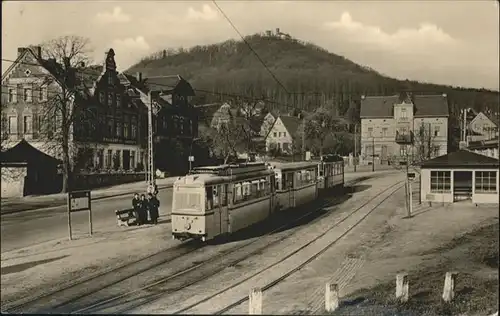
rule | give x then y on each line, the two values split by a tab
331	297
90	214
69	217
255	302
402	287
355	144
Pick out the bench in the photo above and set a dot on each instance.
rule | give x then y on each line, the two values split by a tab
123	216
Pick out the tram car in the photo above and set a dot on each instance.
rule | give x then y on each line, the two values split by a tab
220	200
330	174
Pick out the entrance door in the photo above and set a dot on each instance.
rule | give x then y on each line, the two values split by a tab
126	159
462	185
291	181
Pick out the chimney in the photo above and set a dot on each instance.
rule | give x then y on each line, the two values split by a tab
462	145
20	50
38	51
138	76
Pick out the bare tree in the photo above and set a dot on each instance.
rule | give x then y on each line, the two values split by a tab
60	111
321	125
424	143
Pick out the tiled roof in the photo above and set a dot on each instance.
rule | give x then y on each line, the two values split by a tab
425	105
461	158
291	123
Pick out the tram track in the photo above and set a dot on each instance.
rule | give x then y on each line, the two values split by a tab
87	286
197	273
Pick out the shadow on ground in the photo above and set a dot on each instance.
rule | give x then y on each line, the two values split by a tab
27	265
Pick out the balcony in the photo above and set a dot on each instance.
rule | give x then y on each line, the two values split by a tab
404	138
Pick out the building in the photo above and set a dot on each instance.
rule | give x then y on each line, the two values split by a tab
461	175
109	118
406	126
482	127
485	147
283	135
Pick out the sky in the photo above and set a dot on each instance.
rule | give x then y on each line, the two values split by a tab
445	42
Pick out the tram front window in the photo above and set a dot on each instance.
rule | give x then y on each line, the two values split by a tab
189	200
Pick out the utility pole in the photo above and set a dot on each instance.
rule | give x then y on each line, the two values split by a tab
151	181
355	144
373	154
303	138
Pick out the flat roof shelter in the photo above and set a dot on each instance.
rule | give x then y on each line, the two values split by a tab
460	175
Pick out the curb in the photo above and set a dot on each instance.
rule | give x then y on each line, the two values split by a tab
104	197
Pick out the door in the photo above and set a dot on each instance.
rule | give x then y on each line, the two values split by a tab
383	154
272	180
462	185
126	159
290	183
224	210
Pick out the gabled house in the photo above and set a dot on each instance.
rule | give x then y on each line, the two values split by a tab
402	126
283	134
483	126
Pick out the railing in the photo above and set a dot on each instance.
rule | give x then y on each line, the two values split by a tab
404	138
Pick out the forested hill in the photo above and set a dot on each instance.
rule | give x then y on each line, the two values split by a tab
313	74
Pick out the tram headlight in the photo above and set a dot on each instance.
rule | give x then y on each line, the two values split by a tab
187	226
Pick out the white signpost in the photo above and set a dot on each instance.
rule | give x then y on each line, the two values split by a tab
79	201
190	159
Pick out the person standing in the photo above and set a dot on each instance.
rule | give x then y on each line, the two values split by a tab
136	208
154	205
143	210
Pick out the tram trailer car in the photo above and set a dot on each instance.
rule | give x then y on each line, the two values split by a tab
219	200
330	174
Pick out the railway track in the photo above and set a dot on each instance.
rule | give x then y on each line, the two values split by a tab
67	294
185	278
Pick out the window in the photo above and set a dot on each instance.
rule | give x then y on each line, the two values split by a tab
275	134
404	115
284	134
384	132
436	131
27	123
125	130
110	128
109	158
42	94
110	98
486	182
286	146
12	95
250	189
402	150
164	122
118	100
102	98
110	79
118	130
28	94
134	130
13	125
132	159
100	158
369	150
440	181
370	131
436	150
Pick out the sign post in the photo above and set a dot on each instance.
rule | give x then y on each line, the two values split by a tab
79	201
191	159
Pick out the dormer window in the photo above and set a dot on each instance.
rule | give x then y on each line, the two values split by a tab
403	113
118	100
110	80
102	98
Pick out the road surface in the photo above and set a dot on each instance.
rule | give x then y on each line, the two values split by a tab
19	230
23	229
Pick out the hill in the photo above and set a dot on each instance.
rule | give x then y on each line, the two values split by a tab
314	75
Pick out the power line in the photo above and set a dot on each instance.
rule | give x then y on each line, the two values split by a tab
250	47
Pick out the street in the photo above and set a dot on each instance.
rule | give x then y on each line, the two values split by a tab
31	227
23	229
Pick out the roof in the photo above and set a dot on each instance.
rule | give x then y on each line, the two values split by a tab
461	158
291	123
24	152
162	83
425	105
484	144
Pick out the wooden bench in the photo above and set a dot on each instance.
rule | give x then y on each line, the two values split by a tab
123	216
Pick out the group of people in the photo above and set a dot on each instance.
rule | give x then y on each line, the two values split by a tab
144	207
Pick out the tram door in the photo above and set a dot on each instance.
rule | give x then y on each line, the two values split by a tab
224	212
272	190
290	181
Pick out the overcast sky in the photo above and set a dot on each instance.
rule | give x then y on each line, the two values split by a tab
447	42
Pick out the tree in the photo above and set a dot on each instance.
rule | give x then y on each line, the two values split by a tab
424	143
61	111
321	126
